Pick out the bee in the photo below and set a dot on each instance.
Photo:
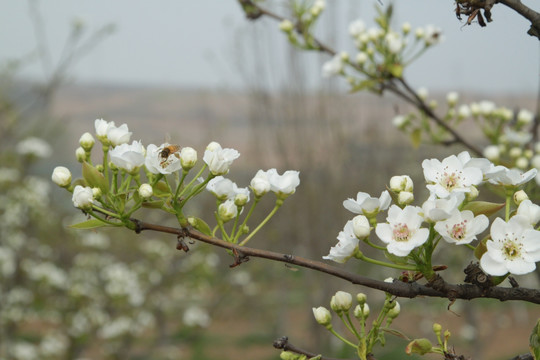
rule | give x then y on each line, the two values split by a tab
167	151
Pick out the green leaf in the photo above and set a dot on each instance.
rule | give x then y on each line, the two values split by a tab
397	333
363	85
94	178
483	207
481	248
534	341
200	225
88	224
161	189
81	182
396	70
157	204
416	137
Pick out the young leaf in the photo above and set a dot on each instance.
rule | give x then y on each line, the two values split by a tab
94	178
534	341
483	207
200	225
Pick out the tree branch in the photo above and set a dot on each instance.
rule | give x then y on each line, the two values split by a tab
527	13
438	288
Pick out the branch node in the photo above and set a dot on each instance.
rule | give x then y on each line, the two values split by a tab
181	245
281	343
239	258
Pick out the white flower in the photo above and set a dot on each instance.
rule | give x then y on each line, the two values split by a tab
128	157
341	301
525	117
492	152
196	316
221	187
435	209
464	111
322	315
83	197
401	183
145	191
486	107
422	93
34	146
260	183
402	233
286	26
450	175
481	163
241	195
400	121
346	246
283	185
219	160
433	35
356	28
452	97
514	247
367	205
227	210
405	198
462	227
87	141
517	137
118	135
102	127
188	157
361	227
61	176
501	175
361	57
529	210
394	42
333	67
157	164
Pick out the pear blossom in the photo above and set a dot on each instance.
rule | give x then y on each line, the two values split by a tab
218	159
525	117
341	301
514	247
346	246
401	183
461	227
481	163
118	135
402	233
356	28
361	227
452	97
492	152
433	35
367	205
260	183
501	175
517	137
227	210
394	42
102	127
83	197
361	58
80	154
146	191
435	209
530	211
322	315
286	26
449	176
283	185
333	66
464	111
221	187
128	157
157	164
61	176
196	316
87	141
188	157
241	195
34	146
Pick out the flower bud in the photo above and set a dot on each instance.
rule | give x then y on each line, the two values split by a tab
241	199
61	176
452	98
361	298
96	192
80	154
394	312
520	196
361	311
515	152
437	328
322	316
83	197
188	158
405	198
401	183
341	301
422	93
492	152
227	210
87	141
361	58
145	191
522	163
406	28
525	117
361	227
472	194
286	26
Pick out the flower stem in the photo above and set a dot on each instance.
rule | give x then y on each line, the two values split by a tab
361	256
276	207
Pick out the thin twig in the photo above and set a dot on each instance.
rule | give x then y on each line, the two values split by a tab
437	288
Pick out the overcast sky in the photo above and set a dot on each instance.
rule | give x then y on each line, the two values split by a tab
196	43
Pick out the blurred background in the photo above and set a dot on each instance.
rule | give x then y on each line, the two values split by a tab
198	71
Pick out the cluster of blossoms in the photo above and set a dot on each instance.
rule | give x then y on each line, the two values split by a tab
114	188
508	132
450	213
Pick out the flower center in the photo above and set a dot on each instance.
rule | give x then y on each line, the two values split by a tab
459	230
512	249
451	180
401	232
